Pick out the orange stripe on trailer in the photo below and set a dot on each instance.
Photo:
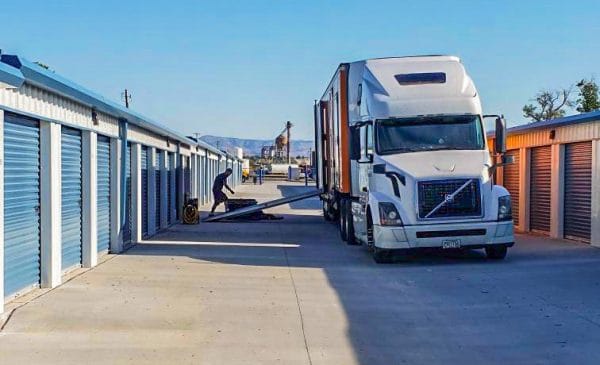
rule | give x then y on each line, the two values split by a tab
344	133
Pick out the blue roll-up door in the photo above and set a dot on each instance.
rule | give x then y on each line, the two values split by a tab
160	158
187	177
177	189
21	203
168	189
144	165
103	193
172	192
71	197
127	192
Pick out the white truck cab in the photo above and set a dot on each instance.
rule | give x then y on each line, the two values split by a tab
414	154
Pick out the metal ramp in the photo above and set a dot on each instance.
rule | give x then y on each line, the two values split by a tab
261	206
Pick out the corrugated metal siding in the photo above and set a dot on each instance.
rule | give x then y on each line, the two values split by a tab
578	190
32	99
71	197
540	186
144	168
127	192
512	183
563	134
21	203
103	193
159	163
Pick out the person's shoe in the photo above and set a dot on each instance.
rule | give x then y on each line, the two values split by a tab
211	214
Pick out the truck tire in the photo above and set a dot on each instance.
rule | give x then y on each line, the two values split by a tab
380	255
350	226
343	222
496	252
383	256
327	211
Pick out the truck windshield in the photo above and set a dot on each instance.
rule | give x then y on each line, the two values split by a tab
449	132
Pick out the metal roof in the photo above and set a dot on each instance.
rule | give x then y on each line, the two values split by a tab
554	123
42	78
10	76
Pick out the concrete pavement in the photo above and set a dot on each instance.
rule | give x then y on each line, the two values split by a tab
290	292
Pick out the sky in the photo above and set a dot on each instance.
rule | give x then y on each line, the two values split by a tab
243	68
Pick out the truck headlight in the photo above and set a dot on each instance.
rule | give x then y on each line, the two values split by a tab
504	208
388	215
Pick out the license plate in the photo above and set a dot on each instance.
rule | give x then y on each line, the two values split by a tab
448	244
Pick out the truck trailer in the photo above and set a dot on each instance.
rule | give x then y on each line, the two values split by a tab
402	158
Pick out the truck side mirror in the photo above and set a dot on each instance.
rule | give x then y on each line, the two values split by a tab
500	140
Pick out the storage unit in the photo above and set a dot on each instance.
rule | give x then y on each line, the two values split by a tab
512	182
144	174
103	193
21	204
160	158
73	141
71	199
128	219
578	190
540	189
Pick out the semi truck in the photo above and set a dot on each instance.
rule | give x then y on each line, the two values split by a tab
402	158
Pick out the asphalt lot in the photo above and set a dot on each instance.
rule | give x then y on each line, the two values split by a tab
291	292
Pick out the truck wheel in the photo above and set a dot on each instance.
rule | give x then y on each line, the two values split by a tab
382	256
350	225
343	222
496	252
370	236
326	211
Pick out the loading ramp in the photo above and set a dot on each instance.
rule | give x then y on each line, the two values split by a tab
261	206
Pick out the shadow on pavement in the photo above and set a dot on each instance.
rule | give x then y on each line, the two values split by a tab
439	307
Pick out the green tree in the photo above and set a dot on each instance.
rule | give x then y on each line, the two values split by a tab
549	104
589	96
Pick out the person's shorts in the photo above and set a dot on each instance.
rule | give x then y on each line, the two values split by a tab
220	196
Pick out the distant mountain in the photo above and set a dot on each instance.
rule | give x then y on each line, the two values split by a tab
252	147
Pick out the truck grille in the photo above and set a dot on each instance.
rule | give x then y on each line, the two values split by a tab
467	203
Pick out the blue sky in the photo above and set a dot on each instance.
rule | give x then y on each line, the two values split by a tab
242	68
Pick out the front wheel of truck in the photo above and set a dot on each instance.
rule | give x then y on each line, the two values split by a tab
351	238
327	214
343	222
380	255
496	252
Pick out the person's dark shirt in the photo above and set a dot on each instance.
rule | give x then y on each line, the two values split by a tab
220	182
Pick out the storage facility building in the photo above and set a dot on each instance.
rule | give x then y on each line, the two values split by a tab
555	178
83	176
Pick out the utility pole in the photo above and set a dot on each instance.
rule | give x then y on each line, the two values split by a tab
126	97
288	126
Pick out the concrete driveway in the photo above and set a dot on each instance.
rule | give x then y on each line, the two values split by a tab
290	292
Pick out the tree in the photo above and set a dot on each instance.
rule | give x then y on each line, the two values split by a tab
551	104
589	96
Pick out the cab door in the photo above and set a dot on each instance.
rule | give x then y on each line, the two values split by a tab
365	168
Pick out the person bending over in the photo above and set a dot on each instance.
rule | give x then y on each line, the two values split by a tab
218	194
